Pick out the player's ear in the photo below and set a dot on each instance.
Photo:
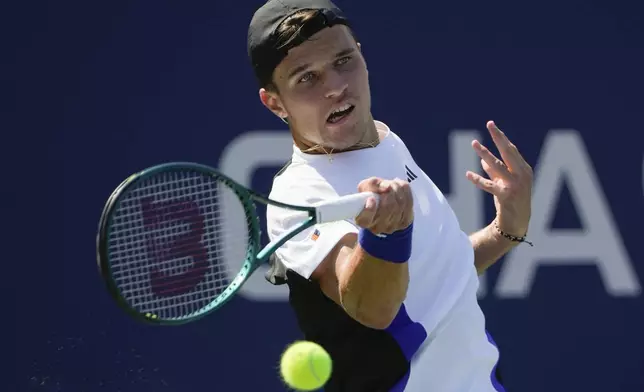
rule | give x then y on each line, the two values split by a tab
272	101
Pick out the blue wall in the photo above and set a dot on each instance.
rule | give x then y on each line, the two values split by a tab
97	90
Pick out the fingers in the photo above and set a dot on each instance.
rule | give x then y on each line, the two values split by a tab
482	182
366	216
397	203
490	172
509	177
492	165
509	152
393	212
374	184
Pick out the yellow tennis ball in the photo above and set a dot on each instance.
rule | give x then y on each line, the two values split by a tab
305	366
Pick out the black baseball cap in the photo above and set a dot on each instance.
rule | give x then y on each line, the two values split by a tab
266	49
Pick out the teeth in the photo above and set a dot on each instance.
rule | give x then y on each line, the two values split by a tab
341	109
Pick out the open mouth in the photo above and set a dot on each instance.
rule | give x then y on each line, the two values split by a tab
340	113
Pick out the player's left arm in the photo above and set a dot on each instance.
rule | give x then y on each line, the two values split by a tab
489	246
510	183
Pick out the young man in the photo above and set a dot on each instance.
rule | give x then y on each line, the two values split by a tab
391	294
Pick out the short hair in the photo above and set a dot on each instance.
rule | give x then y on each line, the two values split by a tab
289	35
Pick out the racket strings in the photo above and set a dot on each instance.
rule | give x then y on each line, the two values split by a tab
170	240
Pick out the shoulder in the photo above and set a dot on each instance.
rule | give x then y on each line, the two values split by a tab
389	135
298	184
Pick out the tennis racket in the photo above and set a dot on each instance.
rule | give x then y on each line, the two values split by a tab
166	233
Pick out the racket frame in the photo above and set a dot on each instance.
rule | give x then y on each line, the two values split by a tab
255	254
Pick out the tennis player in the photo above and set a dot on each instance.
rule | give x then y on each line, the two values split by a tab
391	294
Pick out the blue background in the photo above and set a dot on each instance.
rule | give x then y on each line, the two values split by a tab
92	91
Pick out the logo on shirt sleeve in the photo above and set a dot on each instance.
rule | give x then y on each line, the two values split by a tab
315	235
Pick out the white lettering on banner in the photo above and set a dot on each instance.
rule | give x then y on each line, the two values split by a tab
564	158
239	160
464	198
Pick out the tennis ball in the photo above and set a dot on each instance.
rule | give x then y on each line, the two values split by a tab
305	366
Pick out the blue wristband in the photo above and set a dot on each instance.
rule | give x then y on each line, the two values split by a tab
394	247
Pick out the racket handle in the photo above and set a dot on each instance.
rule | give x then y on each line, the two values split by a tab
344	207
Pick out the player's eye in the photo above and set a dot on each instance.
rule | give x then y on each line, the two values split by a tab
343	60
307	77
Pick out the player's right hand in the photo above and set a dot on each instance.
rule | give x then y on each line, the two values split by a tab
395	209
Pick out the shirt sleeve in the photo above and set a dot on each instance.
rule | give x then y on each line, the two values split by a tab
304	252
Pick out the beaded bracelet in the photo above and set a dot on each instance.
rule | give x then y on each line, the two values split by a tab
510	236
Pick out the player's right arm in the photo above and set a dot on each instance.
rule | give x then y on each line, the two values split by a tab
371	287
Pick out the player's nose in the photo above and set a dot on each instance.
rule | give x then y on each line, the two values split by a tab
335	85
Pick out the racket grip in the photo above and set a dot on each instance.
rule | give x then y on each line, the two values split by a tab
344	207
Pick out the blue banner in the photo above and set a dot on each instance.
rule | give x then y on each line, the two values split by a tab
102	90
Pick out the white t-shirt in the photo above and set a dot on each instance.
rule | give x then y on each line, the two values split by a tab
443	278
442	258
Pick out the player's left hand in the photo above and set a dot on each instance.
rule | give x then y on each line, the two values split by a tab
510	181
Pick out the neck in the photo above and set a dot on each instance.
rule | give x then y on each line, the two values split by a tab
370	138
